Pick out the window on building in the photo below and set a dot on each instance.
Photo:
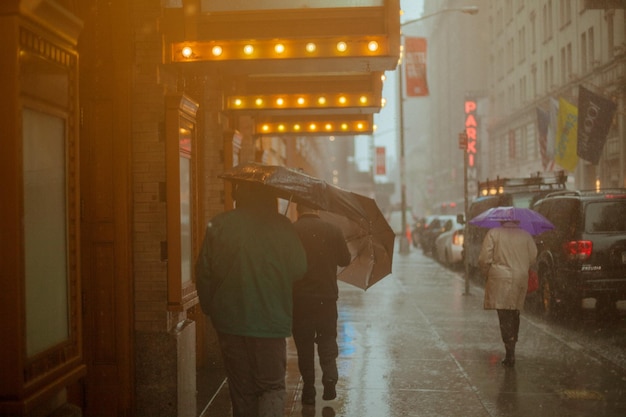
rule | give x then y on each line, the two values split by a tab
45	223
590	48
521	44
532	141
565	12
548	74
523	144
583	53
523	90
551	72
550	20
568	60
510	55
610	27
547	21
563	67
533	32
533	74
501	152
546	85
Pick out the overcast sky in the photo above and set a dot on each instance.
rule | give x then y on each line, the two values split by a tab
386	121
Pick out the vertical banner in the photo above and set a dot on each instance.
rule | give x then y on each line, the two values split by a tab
543	121
595	116
381	168
554	116
415	67
566	136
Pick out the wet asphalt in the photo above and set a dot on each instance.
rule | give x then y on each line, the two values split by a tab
417	344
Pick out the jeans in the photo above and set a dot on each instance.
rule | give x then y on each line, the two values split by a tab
256	370
315	321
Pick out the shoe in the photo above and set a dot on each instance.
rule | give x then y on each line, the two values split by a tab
329	391
509	359
508	363
308	394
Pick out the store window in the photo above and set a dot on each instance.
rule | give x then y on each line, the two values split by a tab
45	231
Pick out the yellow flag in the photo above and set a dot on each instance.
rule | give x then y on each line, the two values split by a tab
566	136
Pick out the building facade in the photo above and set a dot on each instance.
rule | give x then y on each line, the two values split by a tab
514	58
544	51
109	173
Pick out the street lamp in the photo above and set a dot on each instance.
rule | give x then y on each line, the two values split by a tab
404	242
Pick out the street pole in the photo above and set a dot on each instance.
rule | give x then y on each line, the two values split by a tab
404	241
465	211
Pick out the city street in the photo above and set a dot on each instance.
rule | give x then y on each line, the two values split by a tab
415	345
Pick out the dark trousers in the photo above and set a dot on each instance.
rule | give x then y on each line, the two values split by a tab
256	370
315	321
509	325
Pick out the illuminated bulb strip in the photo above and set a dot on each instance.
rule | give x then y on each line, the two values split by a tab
368	46
299	101
317	127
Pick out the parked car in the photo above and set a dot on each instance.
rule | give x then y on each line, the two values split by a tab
585	255
438	225
419	226
449	246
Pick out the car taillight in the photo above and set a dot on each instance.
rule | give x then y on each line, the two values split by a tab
457	239
578	249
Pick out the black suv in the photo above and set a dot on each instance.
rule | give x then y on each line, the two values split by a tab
585	255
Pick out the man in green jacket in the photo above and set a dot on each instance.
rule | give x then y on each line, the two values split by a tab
249	260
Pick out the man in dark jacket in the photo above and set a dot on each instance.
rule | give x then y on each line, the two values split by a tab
315	302
249	260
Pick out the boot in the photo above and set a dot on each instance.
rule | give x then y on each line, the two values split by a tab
330	393
509	359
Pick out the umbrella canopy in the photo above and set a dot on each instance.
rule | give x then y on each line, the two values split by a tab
529	220
369	237
284	182
370	241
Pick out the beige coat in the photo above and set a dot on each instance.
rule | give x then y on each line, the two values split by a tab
505	256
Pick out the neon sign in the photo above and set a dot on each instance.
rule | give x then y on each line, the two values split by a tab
471	129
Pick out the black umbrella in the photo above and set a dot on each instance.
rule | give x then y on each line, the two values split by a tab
370	241
369	236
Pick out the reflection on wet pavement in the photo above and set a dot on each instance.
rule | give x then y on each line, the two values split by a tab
415	345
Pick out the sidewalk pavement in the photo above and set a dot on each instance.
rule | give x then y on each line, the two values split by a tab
416	345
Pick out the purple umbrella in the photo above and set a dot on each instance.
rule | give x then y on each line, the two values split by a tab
529	220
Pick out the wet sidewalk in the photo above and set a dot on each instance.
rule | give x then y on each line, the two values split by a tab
416	345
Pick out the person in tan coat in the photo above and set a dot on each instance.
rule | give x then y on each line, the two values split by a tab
506	255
